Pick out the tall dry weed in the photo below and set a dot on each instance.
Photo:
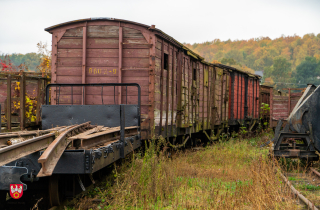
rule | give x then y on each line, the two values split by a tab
228	175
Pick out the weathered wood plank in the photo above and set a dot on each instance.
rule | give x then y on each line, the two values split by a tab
74	32
103	31
100	53
132	33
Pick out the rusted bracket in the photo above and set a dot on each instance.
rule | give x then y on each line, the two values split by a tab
52	154
180	145
16	151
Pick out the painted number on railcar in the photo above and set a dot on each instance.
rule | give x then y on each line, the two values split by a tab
102	71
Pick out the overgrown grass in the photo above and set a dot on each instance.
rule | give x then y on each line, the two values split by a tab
229	175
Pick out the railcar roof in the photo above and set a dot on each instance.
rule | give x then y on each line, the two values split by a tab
235	69
160	33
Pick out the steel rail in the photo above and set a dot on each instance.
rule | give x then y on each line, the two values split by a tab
25	134
296	192
52	154
16	151
32	131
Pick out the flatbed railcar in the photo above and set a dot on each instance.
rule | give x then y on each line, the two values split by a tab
95	62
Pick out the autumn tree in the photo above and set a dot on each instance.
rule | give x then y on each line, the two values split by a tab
45	58
308	71
261	53
27	62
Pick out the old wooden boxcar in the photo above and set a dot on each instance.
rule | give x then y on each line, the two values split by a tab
243	96
181	93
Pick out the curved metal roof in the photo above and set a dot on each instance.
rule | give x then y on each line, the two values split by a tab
92	19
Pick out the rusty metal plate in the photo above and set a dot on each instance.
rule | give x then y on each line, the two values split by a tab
294	152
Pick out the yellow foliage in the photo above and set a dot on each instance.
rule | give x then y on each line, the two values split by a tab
216	62
30	104
45	62
269	81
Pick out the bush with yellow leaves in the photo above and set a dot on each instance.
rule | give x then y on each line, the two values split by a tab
30	104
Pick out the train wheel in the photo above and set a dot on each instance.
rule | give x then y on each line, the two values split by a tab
54	191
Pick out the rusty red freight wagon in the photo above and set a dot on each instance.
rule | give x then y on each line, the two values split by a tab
244	94
181	93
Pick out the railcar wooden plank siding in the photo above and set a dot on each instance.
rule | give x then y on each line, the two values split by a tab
180	92
243	94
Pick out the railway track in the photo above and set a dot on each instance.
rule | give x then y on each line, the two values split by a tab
296	180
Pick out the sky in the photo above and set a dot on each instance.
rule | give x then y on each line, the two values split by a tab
22	22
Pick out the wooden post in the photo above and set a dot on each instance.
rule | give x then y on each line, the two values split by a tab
221	99
289	102
213	107
38	102
54	64
9	102
152	41
209	99
172	87
120	63
203	92
161	86
271	107
252	98
167	92
226	102
43	93
84	54
22	101
179	85
241	89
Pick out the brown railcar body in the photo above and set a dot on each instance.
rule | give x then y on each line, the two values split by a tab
181	93
244	91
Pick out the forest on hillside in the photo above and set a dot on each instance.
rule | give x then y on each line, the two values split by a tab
30	61
287	61
33	62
